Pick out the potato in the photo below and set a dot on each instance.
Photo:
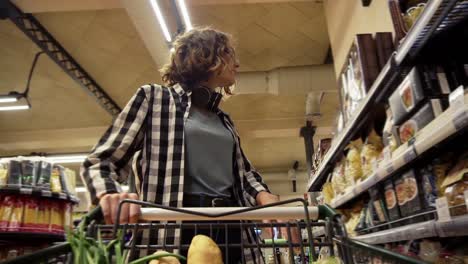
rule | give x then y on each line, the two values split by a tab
164	260
203	250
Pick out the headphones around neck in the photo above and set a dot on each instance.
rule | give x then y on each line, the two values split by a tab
204	97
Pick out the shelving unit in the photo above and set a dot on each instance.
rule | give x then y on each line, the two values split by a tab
20	236
38	192
452	121
437	17
433	228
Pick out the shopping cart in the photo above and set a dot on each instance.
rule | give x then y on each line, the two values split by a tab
333	240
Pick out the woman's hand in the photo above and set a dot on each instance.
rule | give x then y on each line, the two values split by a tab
264	198
110	204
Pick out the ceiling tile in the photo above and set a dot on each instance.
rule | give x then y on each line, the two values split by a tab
256	44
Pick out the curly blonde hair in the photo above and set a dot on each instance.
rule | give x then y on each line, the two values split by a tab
197	55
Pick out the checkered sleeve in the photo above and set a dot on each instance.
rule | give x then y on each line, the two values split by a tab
110	160
253	182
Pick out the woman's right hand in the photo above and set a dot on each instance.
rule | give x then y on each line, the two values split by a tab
110	204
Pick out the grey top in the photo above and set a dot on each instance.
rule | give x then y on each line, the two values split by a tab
209	148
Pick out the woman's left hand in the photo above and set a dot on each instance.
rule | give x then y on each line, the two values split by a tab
264	198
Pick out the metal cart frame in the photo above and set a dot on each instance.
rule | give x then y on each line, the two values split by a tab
335	238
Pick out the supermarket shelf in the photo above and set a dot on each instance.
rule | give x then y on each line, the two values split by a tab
451	121
38	192
21	236
455	227
437	17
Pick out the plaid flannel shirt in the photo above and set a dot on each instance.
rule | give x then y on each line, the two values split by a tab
153	122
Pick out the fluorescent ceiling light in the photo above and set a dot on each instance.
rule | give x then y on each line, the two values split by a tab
162	23
8	99
185	14
14	107
67	158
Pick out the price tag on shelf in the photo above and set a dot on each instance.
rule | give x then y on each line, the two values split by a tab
390	168
410	154
443	211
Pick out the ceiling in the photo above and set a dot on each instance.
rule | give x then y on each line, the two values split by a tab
109	47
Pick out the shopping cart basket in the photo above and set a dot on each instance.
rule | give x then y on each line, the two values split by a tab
333	238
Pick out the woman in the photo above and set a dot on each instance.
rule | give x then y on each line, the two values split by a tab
190	150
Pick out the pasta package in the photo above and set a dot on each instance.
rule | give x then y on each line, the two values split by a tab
31	206
440	169
45	170
16	217
3	173
370	153
28	172
8	204
14	172
338	179
71	181
400	190
56	217
67	215
353	166
456	184
413	201
327	192
55	182
391	201
428	181
43	216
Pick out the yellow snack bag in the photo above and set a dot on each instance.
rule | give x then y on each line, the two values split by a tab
353	169
370	153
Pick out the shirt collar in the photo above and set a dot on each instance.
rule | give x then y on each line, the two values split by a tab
180	90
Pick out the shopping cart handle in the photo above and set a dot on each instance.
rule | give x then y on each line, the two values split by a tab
226	213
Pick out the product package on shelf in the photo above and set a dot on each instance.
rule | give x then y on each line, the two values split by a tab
420	119
322	148
377	206
418	87
404	14
389	137
36	173
353	165
391	201
359	72
413	194
363	219
400	189
385	47
23	213
338	179
455	184
370	153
